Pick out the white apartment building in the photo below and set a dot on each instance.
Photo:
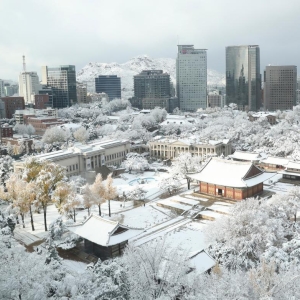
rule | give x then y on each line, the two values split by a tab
29	85
191	77
85	159
165	148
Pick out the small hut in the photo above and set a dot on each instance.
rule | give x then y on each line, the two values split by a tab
104	238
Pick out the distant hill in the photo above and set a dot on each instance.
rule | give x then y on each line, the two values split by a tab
134	66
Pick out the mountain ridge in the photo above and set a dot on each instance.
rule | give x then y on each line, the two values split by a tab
134	66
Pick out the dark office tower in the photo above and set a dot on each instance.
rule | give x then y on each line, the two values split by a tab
62	80
243	79
109	84
152	88
280	84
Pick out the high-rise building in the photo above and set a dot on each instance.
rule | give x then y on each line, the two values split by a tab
81	92
109	84
29	86
280	84
62	80
243	79
152	88
215	99
2	90
10	90
10	105
191	77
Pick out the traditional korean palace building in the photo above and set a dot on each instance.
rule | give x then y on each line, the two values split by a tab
231	179
104	238
292	171
246	156
274	163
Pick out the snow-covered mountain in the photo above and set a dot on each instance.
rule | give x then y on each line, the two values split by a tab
134	66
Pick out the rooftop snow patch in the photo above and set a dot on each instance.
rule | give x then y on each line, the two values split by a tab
104	232
248	156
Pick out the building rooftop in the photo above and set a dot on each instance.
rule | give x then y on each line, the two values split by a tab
104	232
230	173
243	155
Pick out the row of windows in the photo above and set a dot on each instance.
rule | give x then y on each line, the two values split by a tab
116	155
72	168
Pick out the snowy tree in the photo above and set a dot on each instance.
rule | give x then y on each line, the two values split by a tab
6	167
99	192
159	114
59	236
251	230
21	147
66	199
156	271
21	129
171	184
81	135
137	193
184	164
46	176
294	201
110	191
135	162
56	135
9	149
30	130
88	197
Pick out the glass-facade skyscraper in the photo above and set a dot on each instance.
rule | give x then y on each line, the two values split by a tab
62	80
109	84
243	78
191	77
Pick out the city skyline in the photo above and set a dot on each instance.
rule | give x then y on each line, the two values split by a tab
56	33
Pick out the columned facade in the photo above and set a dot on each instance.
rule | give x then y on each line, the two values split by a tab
169	149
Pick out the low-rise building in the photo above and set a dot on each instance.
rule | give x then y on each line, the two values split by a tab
41	124
230	179
274	163
6	131
104	238
292	171
83	159
166	148
22	115
271	117
246	156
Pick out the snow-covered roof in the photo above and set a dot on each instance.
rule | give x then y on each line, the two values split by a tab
248	156
201	262
275	161
104	232
293	165
229	173
263	114
289	173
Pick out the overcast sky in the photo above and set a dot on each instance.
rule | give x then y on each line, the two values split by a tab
54	32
